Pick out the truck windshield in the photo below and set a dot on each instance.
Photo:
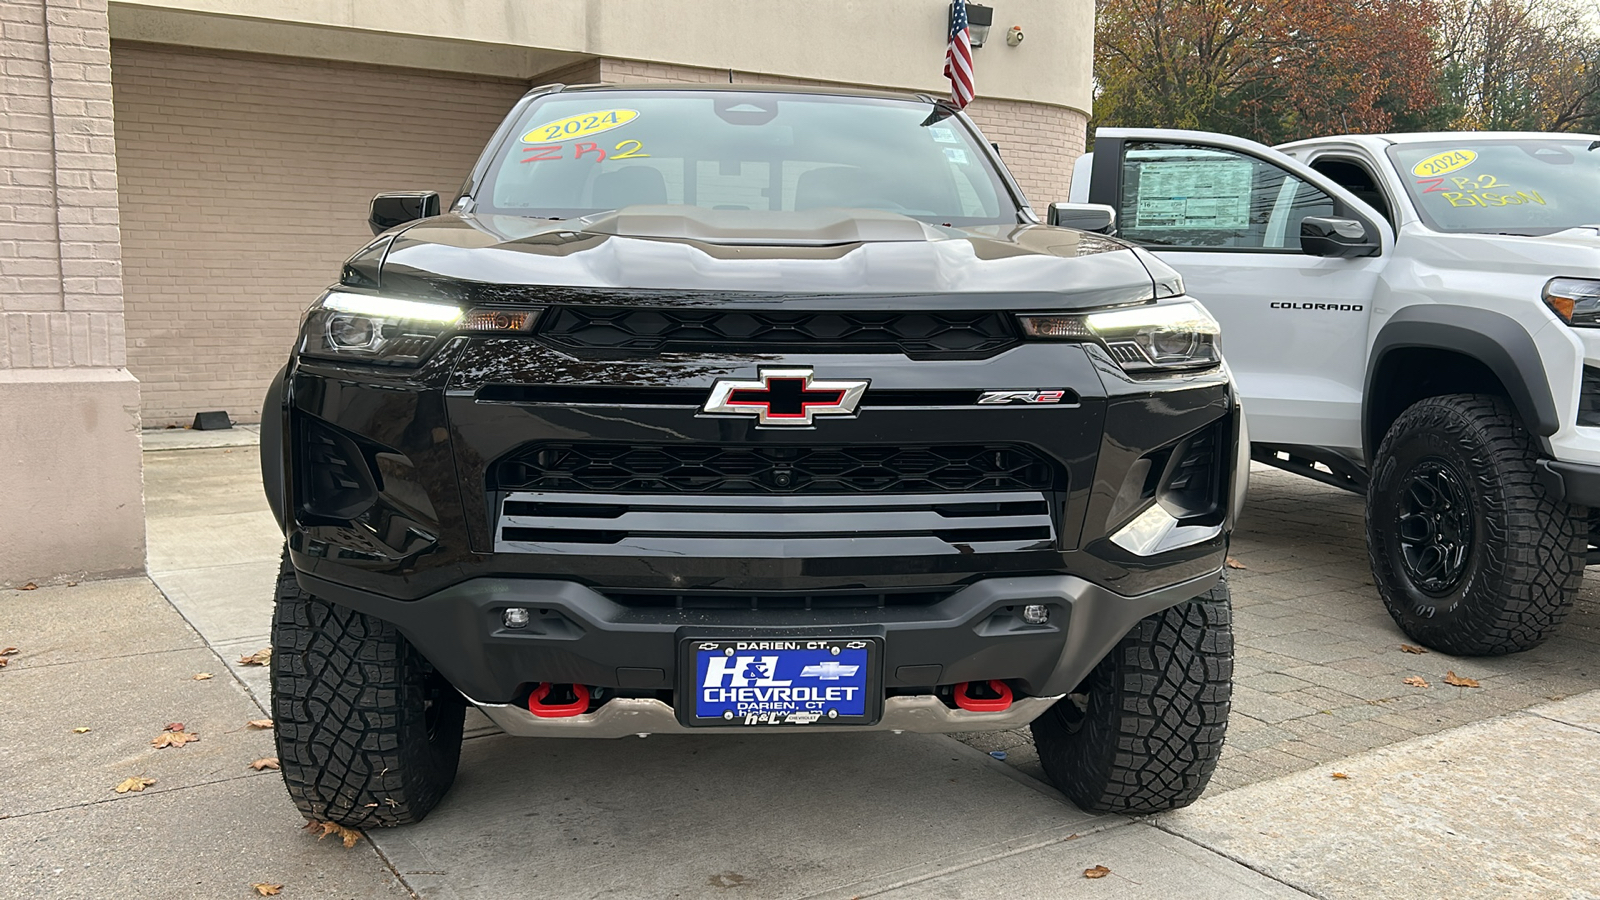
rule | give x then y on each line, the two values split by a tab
1503	186
582	152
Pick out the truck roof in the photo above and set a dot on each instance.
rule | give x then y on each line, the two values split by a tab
1379	141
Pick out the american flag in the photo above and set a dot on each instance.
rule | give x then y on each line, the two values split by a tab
958	56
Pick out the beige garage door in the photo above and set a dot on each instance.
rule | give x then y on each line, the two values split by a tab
244	183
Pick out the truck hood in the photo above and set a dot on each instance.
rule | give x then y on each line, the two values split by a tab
1574	251
687	255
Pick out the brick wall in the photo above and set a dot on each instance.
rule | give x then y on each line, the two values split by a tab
60	275
244	184
1039	143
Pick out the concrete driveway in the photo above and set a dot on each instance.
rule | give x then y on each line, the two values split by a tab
811	815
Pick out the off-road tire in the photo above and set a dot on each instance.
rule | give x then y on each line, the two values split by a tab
368	733
1524	561
1143	733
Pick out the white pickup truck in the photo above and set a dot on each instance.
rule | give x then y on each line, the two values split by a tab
1415	317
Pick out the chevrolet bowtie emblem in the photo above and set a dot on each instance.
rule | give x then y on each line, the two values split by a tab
785	397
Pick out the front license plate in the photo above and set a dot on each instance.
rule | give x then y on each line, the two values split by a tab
831	681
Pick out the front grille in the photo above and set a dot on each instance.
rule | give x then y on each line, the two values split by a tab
777	600
774	526
922	335
762	469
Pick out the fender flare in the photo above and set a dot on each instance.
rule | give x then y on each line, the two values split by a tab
274	414
1497	341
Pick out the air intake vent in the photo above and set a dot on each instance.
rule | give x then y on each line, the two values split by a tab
1192	487
1589	397
335	482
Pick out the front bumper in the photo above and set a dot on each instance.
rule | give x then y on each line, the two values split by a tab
1570	482
580	636
624	716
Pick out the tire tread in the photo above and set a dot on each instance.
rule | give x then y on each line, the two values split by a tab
1157	717
347	705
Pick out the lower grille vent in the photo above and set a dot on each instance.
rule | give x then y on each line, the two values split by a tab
776	601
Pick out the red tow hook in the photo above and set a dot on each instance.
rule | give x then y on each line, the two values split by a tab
998	703
579	704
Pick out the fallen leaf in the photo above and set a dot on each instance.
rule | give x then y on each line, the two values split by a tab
266	762
259	658
80	731
1410	649
4	662
267	890
1417	681
1340	775
259	723
30	586
172	739
173	726
202	676
135	784
1235	564
1096	872
9	651
348	835
1458	681
72	584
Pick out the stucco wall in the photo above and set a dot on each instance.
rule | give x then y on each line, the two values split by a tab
891	43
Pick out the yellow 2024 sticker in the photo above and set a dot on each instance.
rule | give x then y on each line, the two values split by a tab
1444	163
580	126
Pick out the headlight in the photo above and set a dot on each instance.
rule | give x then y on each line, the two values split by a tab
1166	337
1575	300
393	330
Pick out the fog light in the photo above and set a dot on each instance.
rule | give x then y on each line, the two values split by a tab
516	617
1036	614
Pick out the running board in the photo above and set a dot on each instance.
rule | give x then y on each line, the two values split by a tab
1317	465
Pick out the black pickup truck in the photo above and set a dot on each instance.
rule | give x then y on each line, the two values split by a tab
703	410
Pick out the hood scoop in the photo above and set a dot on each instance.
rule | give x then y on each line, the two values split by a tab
823	227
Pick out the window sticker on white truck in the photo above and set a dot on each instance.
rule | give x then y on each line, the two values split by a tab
1194	194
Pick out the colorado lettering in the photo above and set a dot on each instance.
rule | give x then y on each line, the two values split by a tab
1330	307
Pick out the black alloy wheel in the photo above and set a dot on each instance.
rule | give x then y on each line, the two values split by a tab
1434	527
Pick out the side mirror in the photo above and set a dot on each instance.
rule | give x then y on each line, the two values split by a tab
1095	217
1339	238
400	207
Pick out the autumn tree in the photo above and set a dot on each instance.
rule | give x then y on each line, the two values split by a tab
1273	70
1524	65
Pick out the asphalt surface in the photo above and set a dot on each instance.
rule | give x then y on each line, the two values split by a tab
1462	792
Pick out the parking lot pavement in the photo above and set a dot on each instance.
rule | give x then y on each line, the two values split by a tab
114	659
1505	808
1319	672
